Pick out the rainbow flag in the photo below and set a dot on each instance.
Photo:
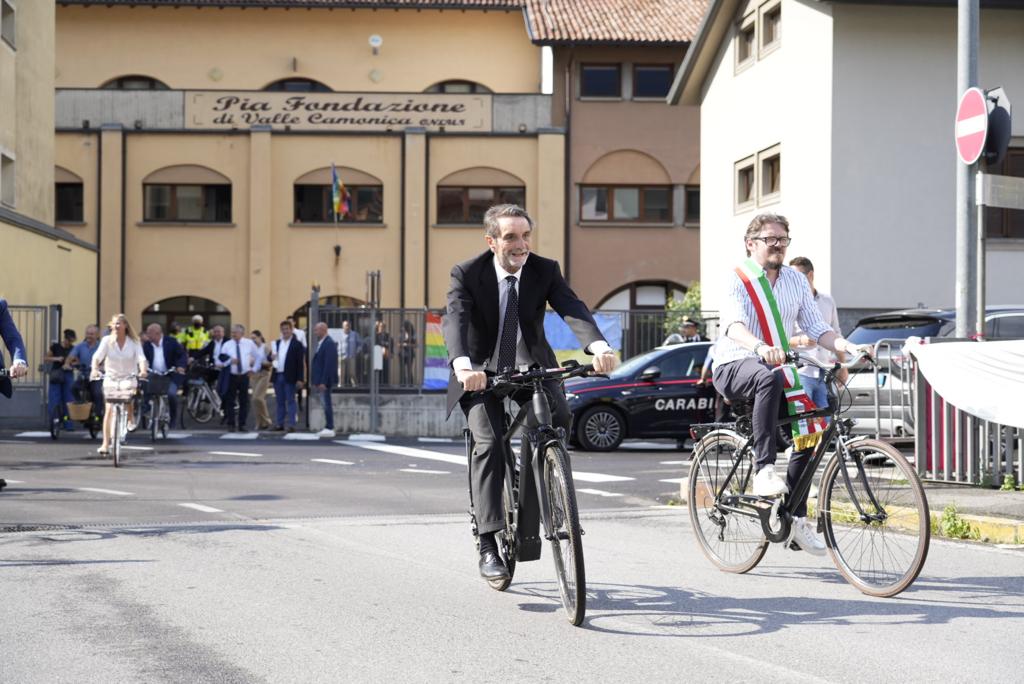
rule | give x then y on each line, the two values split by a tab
435	362
339	195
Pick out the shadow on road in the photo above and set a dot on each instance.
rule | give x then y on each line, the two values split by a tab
70	535
56	562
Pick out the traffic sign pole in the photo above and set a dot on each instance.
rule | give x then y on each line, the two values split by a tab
967	254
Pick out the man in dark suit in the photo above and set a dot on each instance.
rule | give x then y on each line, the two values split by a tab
165	355
495	321
324	374
16	347
289	358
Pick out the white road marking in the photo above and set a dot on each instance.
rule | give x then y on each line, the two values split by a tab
435	440
331	460
15	482
10	441
240	435
302	436
104	491
597	492
201	508
235	453
649	446
673	462
412	452
366	437
136	448
178	435
599	477
675	480
424	471
32	434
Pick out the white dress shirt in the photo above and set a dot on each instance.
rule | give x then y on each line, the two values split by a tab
244	349
218	348
159	362
119	362
827	307
523	359
300	335
282	354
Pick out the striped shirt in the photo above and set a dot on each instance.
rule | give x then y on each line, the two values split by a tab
796	307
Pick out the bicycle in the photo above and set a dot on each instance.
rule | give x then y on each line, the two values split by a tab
159	407
201	402
871	506
538	491
120	392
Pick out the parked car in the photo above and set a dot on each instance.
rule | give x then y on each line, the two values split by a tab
1001	323
651	395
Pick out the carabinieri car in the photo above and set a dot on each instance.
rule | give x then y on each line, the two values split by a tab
651	395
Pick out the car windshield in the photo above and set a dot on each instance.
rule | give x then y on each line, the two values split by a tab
636	364
871	331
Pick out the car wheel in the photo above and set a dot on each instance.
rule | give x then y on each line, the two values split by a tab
601	428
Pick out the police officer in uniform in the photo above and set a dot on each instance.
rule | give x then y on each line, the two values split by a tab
195	337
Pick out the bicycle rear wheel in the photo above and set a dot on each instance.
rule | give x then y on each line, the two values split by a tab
566	538
881	556
732	541
154	418
200	407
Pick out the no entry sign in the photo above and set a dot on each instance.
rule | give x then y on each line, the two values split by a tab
971	125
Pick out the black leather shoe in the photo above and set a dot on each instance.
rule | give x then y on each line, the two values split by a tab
491	567
3	483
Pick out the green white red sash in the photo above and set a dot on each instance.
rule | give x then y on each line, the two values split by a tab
806	433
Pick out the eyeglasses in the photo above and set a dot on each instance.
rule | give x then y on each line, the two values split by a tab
772	241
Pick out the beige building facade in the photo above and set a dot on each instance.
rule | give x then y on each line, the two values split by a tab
201	168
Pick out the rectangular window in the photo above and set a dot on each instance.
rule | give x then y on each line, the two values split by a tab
771	28
652	80
7	180
7	21
645	203
467	205
600	80
191	203
69	197
744	182
746	44
315	204
1006	223
692	215
771	175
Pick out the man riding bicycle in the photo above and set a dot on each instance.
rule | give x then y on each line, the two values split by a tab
495	322
764	302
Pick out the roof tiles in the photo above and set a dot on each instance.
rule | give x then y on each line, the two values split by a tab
302	4
636	22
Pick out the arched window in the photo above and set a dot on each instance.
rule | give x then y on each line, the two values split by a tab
134	82
181	309
297	85
363	193
186	193
464	196
458	87
69	196
626	186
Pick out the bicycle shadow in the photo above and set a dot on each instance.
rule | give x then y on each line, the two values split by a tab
657	611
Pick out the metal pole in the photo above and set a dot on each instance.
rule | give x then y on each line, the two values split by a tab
979	294
966	227
314	318
373	286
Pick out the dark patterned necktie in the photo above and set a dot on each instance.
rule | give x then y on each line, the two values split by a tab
509	328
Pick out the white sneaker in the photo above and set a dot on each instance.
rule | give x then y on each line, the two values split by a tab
329	434
767	483
806	537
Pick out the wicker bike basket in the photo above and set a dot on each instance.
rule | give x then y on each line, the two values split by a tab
120	389
80	411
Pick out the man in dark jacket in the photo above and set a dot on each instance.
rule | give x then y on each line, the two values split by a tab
289	357
324	374
494	322
16	347
165	355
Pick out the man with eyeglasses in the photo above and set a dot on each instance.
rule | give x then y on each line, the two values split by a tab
765	302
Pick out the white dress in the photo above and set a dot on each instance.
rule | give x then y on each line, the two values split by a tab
119	362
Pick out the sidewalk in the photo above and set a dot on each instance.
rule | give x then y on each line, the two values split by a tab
995	516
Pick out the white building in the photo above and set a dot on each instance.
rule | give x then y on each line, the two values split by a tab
839	115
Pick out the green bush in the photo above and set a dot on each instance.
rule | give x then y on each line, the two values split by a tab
1009	483
953	526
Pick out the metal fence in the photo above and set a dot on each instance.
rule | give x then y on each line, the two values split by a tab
39	326
403	338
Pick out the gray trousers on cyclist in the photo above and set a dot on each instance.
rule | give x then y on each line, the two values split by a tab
485	415
752	380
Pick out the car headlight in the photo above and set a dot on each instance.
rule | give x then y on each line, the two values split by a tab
569	396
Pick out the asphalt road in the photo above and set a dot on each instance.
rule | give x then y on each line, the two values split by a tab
294	561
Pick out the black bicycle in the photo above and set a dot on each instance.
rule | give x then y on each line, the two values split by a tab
538	491
871	506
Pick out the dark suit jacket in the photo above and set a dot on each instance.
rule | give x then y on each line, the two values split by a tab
15	345
471	321
206	353
294	362
325	363
174	353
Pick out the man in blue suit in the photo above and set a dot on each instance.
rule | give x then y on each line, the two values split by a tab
324	374
165	355
289	358
16	346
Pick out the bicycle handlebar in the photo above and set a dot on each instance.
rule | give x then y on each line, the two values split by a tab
801	359
571	369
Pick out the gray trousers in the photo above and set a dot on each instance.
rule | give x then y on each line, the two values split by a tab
485	415
752	380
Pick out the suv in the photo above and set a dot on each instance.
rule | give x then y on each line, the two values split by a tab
651	395
1001	323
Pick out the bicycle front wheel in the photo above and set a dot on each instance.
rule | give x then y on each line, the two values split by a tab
877	529
120	428
732	541
566	538
199	405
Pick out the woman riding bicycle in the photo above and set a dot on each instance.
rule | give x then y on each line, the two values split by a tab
121	354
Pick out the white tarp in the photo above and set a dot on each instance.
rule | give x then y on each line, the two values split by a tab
985	379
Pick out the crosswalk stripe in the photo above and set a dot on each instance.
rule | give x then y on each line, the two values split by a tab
331	460
674	480
597	492
201	508
424	471
599	477
409	451
98	490
240	435
235	453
